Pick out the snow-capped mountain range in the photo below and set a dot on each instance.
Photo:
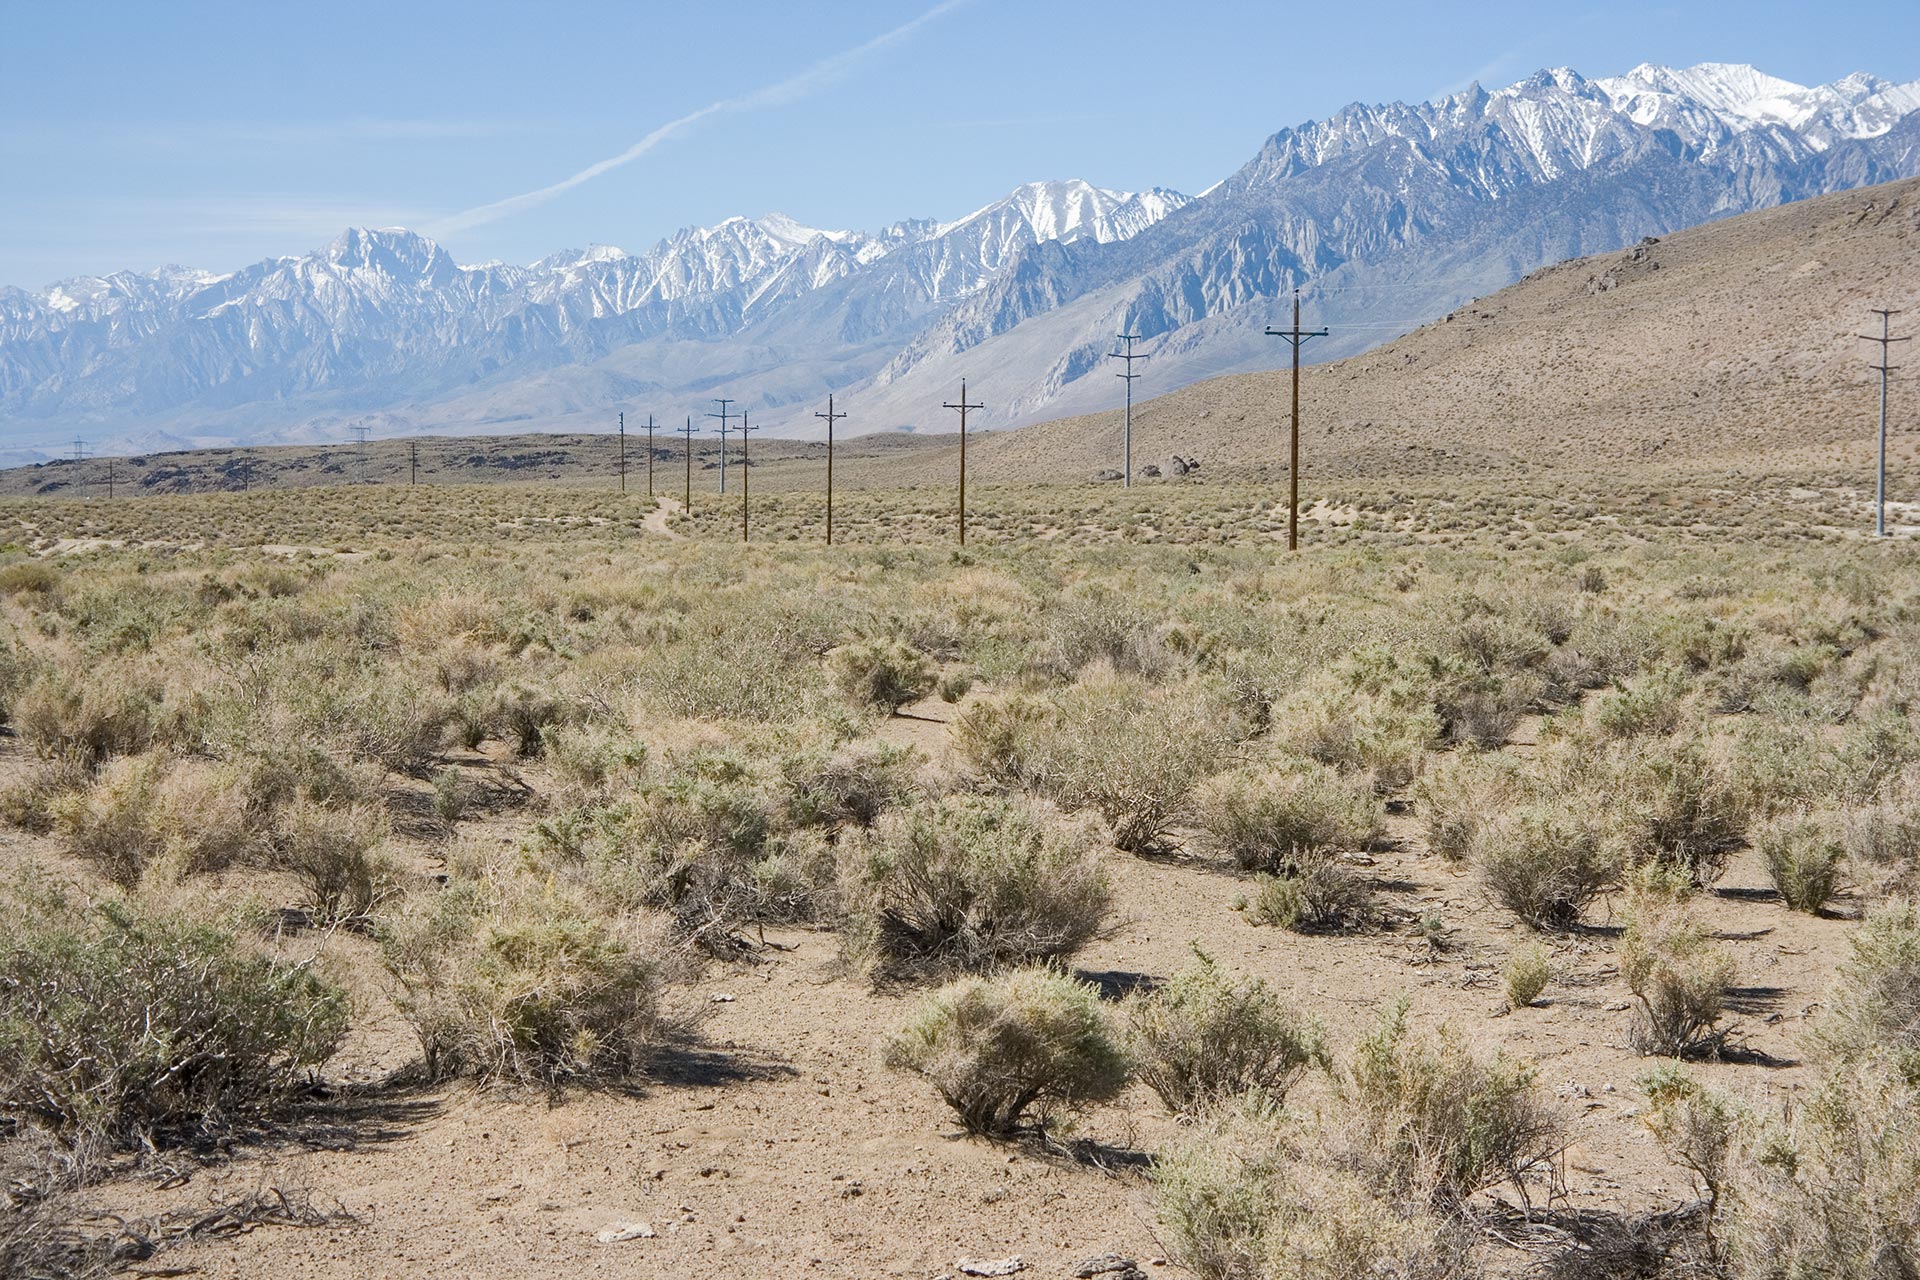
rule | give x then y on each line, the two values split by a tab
1384	216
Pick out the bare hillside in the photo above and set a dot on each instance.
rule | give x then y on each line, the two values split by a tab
1724	340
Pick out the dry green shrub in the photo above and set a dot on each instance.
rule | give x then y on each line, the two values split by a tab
993	734
1698	1127
153	809
509	979
1459	797
972	883
1102	627
1322	896
881	673
1450	1121
1674	804
1258	1194
1833	1191
1679	976
1803	859
1373	733
1203	1038
1282	819
28	578
1020	1047
1651	705
1874	1009
1526	974
339	857
60	716
591	762
1131	752
122	1025
1882	840
1428	1104
522	715
852	786
1543	863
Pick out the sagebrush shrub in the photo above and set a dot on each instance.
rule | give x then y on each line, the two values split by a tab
1460	796
882	673
1321	897
1803	860
1258	1194
121	1024
337	853
1429	1102
1013	1049
1283	819
973	883
153	809
1874	1008
1679	977
1672	803
1698	1127
1543	862
1203	1037
506	979
1526	974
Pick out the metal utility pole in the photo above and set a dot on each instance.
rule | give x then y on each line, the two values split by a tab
724	417
1128	356
831	416
687	431
1886	340
746	484
360	436
623	451
963	406
649	455
1296	336
80	455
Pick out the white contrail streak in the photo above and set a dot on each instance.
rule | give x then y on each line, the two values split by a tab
792	89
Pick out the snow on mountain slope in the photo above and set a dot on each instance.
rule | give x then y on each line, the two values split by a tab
1386	213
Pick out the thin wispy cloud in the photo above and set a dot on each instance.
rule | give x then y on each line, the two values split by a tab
792	89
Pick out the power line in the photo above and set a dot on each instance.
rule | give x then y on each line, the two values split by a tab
963	406
360	437
687	431
1295	336
830	416
1886	341
1128	356
725	416
746	483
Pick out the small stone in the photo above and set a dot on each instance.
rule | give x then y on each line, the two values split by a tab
1109	1266
625	1231
983	1267
721	997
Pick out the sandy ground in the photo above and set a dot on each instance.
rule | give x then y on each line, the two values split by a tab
780	1144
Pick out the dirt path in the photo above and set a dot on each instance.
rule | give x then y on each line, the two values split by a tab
655	521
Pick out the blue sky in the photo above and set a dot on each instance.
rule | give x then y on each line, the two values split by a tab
211	134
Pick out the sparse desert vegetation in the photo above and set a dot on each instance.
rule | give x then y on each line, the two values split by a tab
1498	887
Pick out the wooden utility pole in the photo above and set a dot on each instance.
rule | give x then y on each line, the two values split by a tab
413	462
1128	356
746	482
623	452
246	473
724	417
110	479
963	406
1886	366
687	431
831	416
1295	336
649	455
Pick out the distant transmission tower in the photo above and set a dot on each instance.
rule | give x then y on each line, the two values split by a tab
80	455
746	483
687	431
1128	356
1886	340
725	417
1296	336
963	406
360	437
830	416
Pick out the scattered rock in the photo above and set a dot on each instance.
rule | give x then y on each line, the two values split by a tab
982	1267
720	997
625	1231
1110	1266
